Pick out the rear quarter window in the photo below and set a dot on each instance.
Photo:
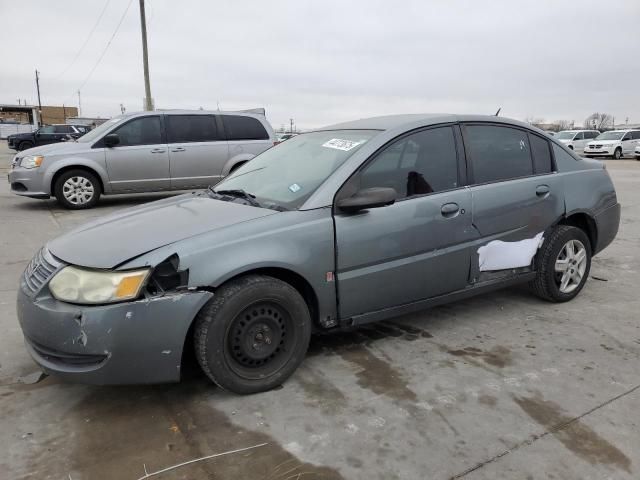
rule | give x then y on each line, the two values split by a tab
542	162
244	128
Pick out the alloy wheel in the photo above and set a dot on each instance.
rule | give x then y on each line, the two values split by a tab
570	266
78	190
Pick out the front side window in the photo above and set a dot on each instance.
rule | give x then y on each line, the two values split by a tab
140	131
239	127
627	136
47	129
635	135
287	175
497	153
418	164
579	136
191	128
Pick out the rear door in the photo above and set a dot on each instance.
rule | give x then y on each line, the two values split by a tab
515	190
140	162
246	135
197	150
417	248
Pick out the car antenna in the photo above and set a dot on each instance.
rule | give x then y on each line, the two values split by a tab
498	112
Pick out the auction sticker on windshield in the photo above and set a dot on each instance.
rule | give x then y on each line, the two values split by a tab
340	144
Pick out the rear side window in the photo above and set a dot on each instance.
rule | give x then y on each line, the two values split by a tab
191	128
497	153
541	155
140	131
418	164
243	128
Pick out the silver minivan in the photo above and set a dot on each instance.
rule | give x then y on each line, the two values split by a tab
142	152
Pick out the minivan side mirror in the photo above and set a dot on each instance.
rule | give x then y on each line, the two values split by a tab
111	140
368	198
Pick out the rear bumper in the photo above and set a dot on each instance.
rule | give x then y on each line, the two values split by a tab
607	222
125	343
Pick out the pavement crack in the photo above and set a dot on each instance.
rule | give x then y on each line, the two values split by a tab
535	438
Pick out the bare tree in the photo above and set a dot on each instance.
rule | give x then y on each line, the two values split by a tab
563	125
599	121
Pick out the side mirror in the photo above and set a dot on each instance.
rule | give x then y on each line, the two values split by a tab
368	198
111	140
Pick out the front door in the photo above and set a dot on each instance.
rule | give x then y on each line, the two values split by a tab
140	162
417	248
516	193
46	135
629	142
197	151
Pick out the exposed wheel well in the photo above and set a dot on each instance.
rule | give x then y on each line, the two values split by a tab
585	223
296	281
74	167
237	166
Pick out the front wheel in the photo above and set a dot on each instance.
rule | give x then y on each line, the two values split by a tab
253	334
562	264
77	189
25	145
617	154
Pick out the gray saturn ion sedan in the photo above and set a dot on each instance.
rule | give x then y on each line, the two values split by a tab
349	224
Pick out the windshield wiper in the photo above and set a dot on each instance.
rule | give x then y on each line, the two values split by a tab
240	194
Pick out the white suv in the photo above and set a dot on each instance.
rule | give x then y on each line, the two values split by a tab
576	139
614	144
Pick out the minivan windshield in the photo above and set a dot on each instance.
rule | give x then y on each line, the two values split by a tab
97	132
287	174
566	135
610	136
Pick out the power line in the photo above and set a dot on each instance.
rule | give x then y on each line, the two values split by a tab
104	9
105	48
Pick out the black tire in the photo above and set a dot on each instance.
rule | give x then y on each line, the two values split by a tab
617	154
25	145
253	334
546	285
82	176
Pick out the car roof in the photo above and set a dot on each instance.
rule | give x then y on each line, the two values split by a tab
390	122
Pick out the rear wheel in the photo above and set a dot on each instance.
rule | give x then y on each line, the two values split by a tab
562	264
25	145
253	334
617	154
77	189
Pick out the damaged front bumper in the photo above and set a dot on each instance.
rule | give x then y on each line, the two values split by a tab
133	342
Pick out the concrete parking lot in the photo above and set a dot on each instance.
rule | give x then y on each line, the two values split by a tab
502	386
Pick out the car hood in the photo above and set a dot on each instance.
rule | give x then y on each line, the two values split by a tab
604	142
20	135
118	238
56	148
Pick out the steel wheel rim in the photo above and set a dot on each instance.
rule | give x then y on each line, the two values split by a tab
570	266
78	190
259	340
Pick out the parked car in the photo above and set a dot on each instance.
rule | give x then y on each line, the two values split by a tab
350	224
45	135
577	139
614	144
142	152
636	152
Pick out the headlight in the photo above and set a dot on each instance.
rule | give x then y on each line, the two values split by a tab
77	285
31	161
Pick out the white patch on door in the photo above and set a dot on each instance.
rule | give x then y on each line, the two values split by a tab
499	255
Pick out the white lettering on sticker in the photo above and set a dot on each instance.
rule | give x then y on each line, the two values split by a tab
339	144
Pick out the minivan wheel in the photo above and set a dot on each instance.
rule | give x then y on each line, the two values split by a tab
617	154
77	189
253	334
562	264
25	145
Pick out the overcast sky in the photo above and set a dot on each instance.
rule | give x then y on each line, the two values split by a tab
322	62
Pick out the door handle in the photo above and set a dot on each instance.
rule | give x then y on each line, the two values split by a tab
542	190
449	209
178	149
158	150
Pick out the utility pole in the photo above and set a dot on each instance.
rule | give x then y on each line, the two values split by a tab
39	104
145	59
291	125
79	104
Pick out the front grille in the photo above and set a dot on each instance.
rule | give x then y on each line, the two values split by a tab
40	269
595	146
64	358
